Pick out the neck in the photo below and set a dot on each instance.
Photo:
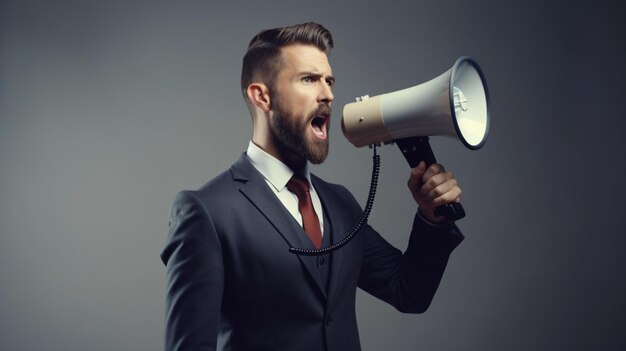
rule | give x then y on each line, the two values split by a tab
263	137
296	162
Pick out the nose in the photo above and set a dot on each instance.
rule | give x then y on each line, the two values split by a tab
326	94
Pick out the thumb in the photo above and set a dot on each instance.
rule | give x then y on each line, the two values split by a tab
416	175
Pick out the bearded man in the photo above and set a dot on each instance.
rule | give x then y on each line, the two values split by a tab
233	284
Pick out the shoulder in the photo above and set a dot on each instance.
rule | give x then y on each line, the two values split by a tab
201	197
222	183
220	190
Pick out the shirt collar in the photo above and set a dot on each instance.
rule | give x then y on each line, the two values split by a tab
272	169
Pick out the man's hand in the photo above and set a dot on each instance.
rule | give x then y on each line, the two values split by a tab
433	187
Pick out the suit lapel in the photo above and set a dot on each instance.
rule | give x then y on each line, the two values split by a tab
256	190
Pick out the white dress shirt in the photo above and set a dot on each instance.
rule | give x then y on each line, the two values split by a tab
276	175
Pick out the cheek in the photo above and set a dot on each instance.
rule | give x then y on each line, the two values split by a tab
307	105
298	102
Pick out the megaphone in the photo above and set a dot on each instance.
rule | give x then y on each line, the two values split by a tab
455	104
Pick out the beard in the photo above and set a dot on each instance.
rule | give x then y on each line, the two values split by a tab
290	134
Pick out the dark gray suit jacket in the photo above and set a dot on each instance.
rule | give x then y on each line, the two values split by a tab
228	260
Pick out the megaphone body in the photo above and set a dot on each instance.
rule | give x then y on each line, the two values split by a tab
456	104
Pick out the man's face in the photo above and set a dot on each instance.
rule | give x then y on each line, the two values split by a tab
301	103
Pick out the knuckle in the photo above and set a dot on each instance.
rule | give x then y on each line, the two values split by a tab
438	192
432	182
450	175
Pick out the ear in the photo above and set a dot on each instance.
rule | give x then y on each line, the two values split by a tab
259	96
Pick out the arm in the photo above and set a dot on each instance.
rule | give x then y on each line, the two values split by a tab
195	277
409	281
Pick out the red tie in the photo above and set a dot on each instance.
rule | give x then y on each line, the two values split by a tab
300	186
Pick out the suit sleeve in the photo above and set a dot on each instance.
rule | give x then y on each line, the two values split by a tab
195	277
407	281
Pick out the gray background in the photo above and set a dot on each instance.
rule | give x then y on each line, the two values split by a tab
108	108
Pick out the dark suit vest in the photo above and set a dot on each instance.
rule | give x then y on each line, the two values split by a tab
322	262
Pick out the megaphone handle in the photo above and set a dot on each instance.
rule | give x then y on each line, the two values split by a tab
417	149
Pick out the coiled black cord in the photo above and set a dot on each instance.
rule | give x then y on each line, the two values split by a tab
362	219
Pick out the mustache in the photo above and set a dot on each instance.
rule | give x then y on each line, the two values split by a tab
322	109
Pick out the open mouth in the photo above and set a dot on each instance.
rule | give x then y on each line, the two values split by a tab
320	126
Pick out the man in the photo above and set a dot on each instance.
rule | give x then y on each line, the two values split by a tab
232	282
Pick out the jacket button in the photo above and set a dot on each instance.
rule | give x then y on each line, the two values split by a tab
329	320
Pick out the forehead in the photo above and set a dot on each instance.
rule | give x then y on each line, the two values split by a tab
298	58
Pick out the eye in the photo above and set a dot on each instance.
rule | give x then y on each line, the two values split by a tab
308	79
330	82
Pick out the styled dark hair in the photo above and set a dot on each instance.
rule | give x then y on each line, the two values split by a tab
262	60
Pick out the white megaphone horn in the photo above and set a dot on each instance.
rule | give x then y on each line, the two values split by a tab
454	104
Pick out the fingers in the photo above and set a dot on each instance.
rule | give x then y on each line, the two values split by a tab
436	186
445	193
433	186
433	177
435	168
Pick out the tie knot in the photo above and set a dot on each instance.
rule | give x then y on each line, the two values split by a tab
298	185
